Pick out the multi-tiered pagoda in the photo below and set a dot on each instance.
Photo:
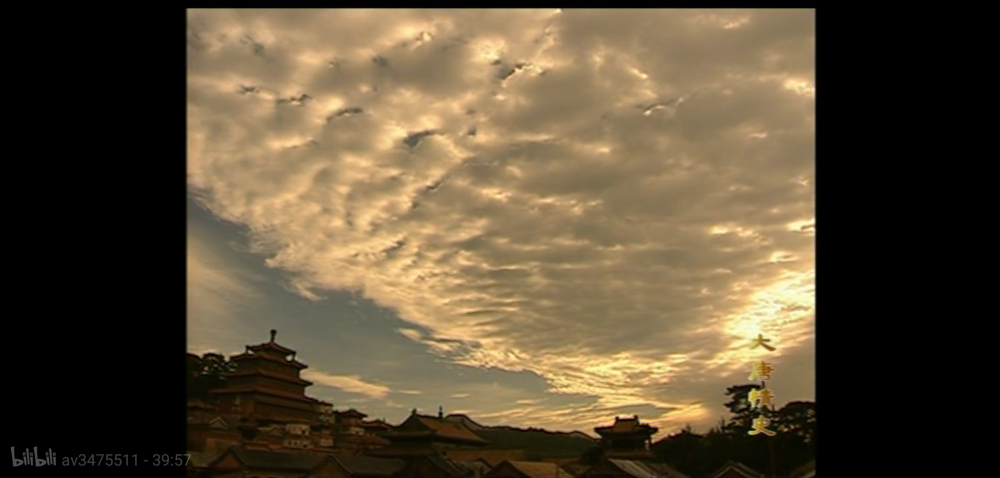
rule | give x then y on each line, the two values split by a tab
266	386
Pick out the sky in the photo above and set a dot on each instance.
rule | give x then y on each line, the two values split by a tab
538	218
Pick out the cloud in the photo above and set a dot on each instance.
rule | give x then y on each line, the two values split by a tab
615	200
350	383
217	291
460	395
529	401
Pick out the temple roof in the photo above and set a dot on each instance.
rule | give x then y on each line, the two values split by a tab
272	345
362	439
369	465
351	413
272	460
198	404
443	464
268	373
665	470
265	391
201	459
271	358
474	468
635	469
627	426
737	467
491	457
537	469
418	426
381	424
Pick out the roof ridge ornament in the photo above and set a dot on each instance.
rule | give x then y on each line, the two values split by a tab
273	333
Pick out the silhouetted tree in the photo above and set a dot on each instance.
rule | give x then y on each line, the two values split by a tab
793	446
194	368
797	419
194	365
685	450
207	373
795	443
741	408
215	365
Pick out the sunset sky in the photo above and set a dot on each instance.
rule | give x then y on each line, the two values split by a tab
536	217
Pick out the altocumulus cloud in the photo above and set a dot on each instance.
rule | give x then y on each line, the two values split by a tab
350	384
639	181
218	291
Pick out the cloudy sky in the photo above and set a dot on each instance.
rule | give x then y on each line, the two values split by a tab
537	217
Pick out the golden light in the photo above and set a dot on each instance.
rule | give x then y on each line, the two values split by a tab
802	87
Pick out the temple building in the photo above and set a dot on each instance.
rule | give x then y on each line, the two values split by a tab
213	434
734	469
428	435
617	468
266	386
262	406
627	439
376	427
527	469
354	436
242	462
626	452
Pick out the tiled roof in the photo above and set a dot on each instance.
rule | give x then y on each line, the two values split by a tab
226	422
362	439
273	460
636	469
665	470
370	466
266	391
272	346
393	452
446	465
351	413
491	457
535	469
626	425
201	459
377	425
268	373
476	467
395	434
562	461
272	431
739	468
255	356
199	404
441	428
